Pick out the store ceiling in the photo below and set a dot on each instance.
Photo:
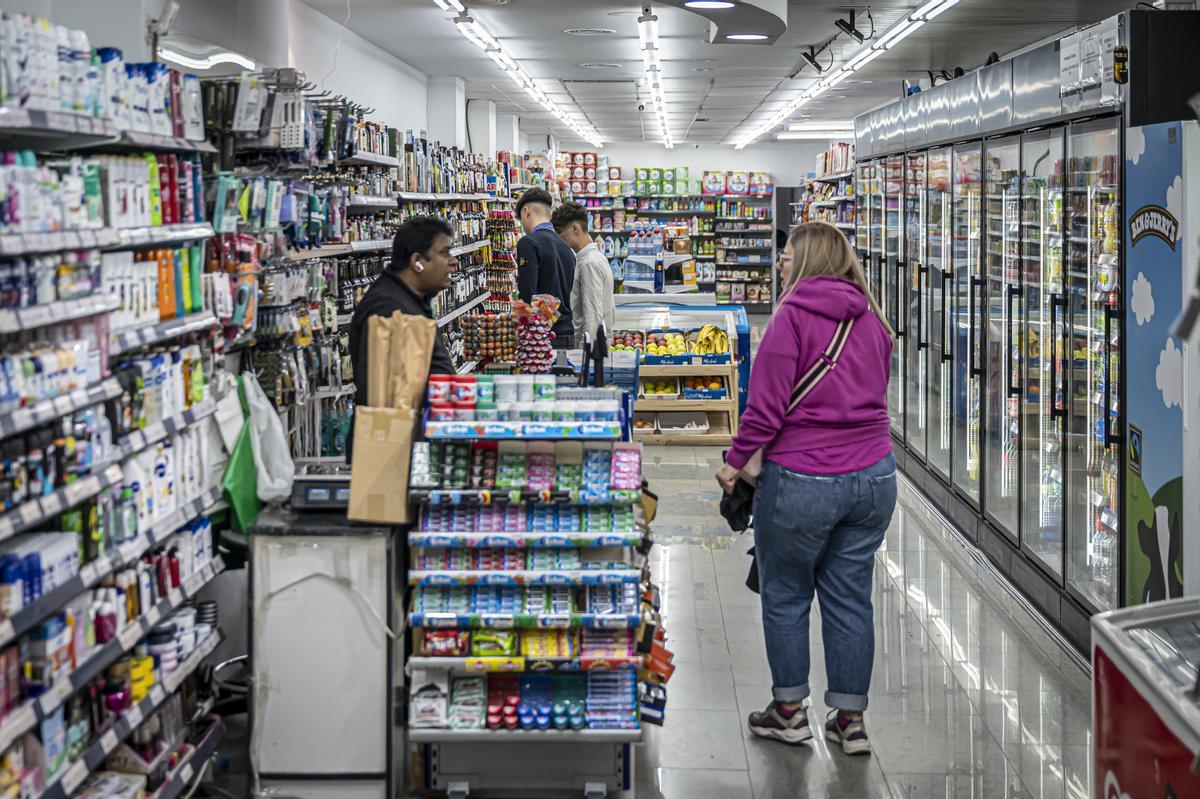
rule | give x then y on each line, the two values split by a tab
712	90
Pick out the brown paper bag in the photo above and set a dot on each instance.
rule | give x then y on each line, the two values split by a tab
412	341
379	358
383	440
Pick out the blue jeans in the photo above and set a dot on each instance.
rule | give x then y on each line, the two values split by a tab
818	534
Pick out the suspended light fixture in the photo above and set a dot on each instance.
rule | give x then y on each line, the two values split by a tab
474	32
886	41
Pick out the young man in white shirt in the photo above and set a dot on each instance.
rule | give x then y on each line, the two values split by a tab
592	290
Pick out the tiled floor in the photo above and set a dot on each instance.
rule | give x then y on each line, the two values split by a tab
970	699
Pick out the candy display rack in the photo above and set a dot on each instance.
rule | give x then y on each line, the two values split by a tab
527	616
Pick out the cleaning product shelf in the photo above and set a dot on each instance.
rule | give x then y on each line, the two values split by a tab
30	243
748	232
527	621
153	433
154	235
133	338
193	763
23	419
524	577
133	139
445	196
451	315
74	773
35	710
429	736
366	204
364	158
30	129
472	247
475	665
91	573
33	512
524	540
51	313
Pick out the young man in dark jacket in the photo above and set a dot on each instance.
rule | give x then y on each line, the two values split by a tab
421	268
545	264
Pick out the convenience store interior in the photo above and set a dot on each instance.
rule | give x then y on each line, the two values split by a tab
528	587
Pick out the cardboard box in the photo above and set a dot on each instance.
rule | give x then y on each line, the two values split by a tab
383	440
714	182
737	183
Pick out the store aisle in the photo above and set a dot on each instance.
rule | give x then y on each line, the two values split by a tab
971	699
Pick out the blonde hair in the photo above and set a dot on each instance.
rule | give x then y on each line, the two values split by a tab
819	249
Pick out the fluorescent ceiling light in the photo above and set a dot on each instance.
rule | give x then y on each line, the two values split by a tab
204	62
845	125
746	37
648	36
474	31
814	134
709	4
865	55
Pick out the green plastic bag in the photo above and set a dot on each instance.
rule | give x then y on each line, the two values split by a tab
240	480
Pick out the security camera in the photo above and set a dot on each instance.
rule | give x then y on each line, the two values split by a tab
641	106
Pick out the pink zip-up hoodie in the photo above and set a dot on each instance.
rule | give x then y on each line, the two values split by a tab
842	426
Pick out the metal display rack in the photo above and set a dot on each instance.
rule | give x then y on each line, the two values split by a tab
592	761
56	132
745	253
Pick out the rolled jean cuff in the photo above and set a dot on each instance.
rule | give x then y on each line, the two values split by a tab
855	703
792	694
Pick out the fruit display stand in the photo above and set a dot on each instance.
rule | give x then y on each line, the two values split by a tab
531	615
688	386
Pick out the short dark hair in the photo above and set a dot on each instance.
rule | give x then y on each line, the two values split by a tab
567	213
416	236
534	195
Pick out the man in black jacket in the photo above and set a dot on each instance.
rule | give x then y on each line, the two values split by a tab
421	268
545	263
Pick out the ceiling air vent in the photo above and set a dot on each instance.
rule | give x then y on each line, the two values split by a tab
589	31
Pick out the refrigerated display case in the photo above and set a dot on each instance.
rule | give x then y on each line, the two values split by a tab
1144	710
1093	298
876	233
915	296
966	301
938	279
1044	320
1054	204
893	295
864	191
1002	423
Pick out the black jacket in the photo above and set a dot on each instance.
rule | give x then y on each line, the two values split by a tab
546	265
387	295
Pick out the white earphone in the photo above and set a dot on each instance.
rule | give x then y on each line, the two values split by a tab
420	267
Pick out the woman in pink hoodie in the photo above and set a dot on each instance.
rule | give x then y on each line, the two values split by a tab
827	488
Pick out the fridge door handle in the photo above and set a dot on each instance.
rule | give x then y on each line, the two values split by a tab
948	330
1110	438
1056	300
1013	291
922	343
974	302
898	300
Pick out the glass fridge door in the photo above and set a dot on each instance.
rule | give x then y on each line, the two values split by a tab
1093	297
915	305
1042	345
938	281
876	252
862	201
1002	228
965	315
893	283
